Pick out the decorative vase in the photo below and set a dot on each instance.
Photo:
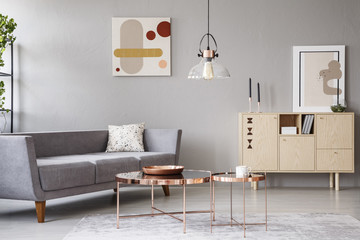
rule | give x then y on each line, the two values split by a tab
3	123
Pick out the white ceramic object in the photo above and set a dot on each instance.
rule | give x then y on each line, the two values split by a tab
242	171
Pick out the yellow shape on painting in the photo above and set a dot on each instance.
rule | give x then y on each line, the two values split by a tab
138	52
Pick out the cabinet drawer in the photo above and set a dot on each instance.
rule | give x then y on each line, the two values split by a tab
335	159
297	153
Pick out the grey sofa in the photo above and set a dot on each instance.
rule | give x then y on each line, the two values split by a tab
44	166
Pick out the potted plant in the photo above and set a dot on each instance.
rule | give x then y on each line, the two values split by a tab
7	27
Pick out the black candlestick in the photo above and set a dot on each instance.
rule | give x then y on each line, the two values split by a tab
249	87
258	88
338	92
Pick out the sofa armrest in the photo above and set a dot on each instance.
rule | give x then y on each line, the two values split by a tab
19	175
163	140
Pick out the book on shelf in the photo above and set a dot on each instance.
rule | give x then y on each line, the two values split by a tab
305	123
311	120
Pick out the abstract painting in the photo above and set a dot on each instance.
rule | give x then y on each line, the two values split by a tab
141	46
318	77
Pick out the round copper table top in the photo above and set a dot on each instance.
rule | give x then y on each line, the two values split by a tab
186	177
231	177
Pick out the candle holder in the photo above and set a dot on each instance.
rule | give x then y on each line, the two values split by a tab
258	107
250	100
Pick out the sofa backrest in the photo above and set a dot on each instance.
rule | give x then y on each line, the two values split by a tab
49	144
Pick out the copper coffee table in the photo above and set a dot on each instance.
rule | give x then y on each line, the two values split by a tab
230	177
187	177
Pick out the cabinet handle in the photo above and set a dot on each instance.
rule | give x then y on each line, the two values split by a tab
284	140
321	118
335	152
275	117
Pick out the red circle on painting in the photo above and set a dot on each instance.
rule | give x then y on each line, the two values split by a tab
150	35
117	69
163	29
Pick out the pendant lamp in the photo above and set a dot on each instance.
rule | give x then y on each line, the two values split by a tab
208	68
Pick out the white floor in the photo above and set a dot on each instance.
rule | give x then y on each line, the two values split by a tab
18	218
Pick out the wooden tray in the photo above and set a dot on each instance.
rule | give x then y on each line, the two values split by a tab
163	170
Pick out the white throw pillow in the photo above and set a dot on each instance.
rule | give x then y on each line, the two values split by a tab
126	138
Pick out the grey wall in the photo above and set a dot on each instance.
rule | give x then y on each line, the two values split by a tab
64	80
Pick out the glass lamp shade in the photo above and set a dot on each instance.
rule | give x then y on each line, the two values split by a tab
208	69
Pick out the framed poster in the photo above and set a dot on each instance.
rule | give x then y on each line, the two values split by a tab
141	46
318	77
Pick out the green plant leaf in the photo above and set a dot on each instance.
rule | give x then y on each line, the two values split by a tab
7	27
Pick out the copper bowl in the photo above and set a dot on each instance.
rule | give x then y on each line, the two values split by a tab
162	177
163	170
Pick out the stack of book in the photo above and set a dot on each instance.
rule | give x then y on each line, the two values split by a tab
307	124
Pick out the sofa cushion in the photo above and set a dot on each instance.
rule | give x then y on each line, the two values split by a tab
110	164
145	158
56	176
126	138
103	167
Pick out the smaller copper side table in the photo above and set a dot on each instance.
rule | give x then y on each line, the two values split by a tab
185	178
230	177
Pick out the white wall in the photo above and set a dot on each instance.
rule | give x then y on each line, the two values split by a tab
64	80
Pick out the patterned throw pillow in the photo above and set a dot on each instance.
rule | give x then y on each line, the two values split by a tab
126	138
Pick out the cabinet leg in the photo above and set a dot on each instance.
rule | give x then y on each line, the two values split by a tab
256	186
252	184
337	181
331	180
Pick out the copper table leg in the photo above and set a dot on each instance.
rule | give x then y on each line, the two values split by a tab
231	216
152	198
213	192
265	204
244	205
117	204
210	204
184	207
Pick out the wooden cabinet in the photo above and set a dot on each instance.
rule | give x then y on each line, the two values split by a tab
260	142
327	145
297	154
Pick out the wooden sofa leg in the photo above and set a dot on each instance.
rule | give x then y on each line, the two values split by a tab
40	211
166	190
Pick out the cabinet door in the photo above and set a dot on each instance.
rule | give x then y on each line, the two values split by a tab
260	141
297	153
334	160
334	131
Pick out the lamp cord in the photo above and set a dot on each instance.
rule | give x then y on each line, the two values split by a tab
208	37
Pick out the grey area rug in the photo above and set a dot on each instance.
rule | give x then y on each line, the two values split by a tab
280	226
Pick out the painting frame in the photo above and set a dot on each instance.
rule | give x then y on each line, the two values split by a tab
141	46
309	61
